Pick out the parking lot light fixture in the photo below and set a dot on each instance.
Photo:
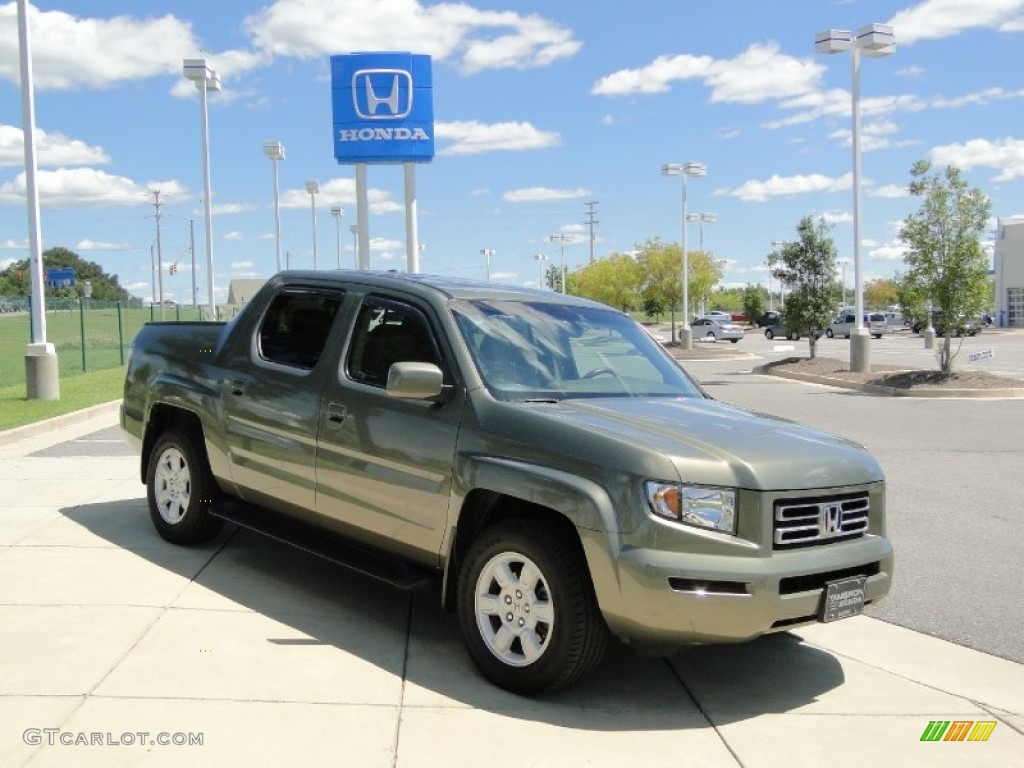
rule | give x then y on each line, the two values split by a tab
275	151
313	187
337	213
683	170
206	80
541	258
873	41
562	240
487	253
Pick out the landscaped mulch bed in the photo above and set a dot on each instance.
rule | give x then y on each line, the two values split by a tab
891	376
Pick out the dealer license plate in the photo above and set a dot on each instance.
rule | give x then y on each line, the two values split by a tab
843	599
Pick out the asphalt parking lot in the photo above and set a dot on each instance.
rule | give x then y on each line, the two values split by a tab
271	657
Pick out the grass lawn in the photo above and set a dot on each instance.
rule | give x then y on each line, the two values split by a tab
76	392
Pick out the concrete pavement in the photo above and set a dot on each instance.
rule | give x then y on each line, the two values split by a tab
273	657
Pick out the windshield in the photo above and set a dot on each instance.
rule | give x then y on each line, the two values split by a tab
544	351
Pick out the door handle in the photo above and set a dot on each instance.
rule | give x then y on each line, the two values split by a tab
336	415
237	387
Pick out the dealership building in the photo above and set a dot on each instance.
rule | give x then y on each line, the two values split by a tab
1008	267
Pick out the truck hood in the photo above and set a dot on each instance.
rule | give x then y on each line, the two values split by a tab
713	443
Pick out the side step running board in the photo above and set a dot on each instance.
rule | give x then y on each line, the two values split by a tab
399	573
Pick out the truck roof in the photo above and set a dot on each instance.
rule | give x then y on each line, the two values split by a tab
451	287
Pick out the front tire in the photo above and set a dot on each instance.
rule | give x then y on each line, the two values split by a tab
180	489
527	610
828	332
768	334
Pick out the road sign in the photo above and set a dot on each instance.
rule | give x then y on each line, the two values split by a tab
60	277
981	354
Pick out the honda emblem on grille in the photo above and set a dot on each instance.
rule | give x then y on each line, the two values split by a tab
830	520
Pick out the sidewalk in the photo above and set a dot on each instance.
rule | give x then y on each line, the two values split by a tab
277	658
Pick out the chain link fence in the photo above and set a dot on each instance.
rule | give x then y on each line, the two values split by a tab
88	335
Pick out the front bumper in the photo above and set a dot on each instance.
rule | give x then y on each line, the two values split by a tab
673	598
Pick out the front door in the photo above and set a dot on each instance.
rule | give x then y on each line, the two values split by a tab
384	465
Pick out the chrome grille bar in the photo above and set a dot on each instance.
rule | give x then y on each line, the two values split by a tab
803	522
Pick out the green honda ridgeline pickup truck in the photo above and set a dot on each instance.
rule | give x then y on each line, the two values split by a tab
538	459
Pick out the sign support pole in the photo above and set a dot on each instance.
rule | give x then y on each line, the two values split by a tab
362	217
412	244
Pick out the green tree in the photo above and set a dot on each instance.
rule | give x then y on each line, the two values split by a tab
806	268
945	258
104	287
911	298
880	293
660	268
614	280
753	302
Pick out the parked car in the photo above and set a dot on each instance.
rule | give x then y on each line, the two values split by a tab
718	328
844	324
771	317
965	326
778	328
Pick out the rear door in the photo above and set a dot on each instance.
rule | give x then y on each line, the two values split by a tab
384	465
272	407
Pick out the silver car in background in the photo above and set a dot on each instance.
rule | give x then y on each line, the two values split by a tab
844	324
717	327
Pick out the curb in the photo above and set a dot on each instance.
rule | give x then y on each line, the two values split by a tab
1008	393
15	434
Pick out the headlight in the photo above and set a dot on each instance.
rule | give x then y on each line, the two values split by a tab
698	505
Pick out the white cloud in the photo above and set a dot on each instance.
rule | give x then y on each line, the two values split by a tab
471	137
242	265
382	244
89	188
476	39
776	186
890	190
934	19
1004	154
52	149
837	217
893	251
912	71
543	194
71	52
100	245
340	192
266	236
13	245
233	235
758	74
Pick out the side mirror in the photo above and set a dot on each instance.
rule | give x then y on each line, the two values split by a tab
415	381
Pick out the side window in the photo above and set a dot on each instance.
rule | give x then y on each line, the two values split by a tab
295	327
388	332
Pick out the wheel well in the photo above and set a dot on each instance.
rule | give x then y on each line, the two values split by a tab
164	417
481	510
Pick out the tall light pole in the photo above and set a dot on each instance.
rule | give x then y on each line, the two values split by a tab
842	265
683	170
487	253
874	41
313	187
337	213
561	240
275	151
206	80
42	377
355	242
773	259
541	258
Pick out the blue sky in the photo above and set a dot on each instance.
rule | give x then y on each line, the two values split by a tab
539	107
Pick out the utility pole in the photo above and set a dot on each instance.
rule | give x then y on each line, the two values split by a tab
159	250
192	253
591	221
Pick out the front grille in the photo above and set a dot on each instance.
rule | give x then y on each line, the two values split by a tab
820	520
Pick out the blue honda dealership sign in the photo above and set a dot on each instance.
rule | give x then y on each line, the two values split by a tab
383	108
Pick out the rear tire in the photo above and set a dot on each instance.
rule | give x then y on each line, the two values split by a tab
828	332
768	334
180	489
527	610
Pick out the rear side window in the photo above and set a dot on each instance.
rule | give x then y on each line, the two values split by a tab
295	327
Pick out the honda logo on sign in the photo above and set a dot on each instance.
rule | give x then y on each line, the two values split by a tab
382	94
831	519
